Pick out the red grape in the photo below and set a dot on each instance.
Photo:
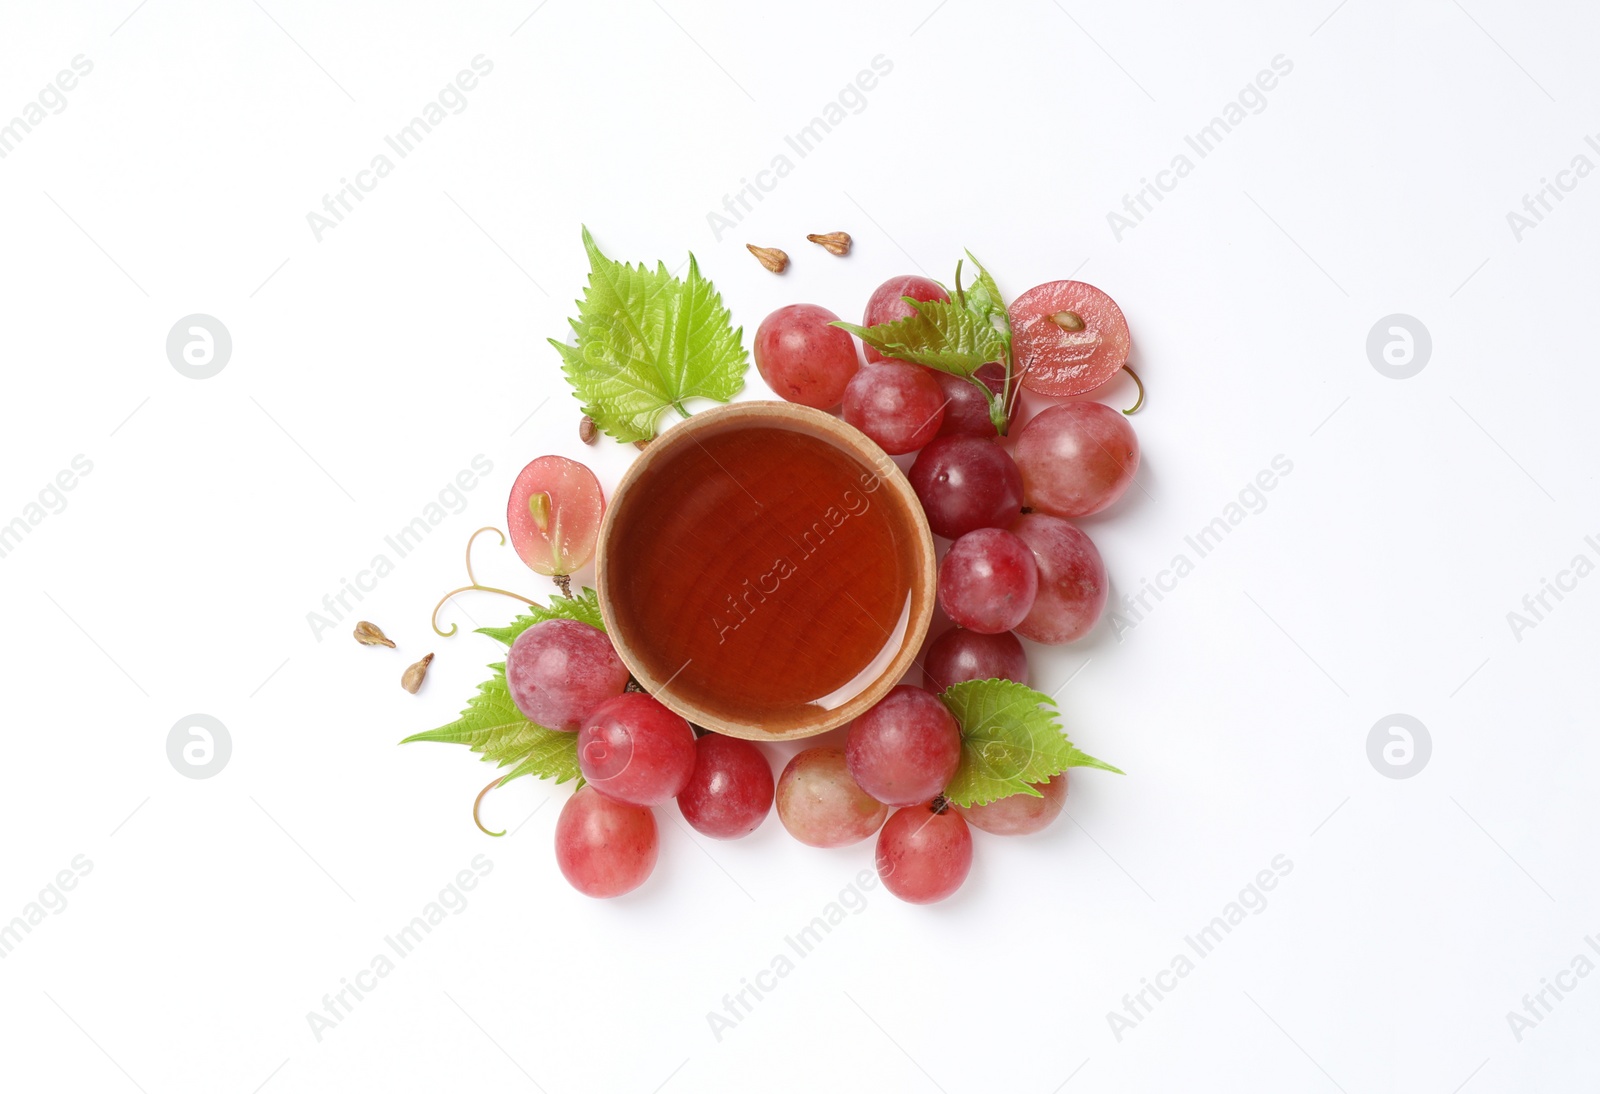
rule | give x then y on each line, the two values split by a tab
905	749
560	670
1072	580
1076	459
1051	356
604	847
923	856
802	358
730	792
821	805
1020	814
966	410
554	514
634	750
959	655
886	303
898	405
988	580
966	483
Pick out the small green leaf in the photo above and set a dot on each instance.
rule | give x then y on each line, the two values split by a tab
942	335
493	726
983	300
647	340
1010	739
585	608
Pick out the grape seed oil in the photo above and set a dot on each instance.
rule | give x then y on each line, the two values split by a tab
762	572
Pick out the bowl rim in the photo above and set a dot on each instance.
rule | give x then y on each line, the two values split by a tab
857	444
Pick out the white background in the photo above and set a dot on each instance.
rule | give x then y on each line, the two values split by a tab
372	366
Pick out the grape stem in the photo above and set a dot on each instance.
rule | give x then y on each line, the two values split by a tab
1013	388
1010	392
995	403
474	587
564	583
1138	381
478	801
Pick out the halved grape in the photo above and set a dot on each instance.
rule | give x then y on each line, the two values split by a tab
923	856
604	847
554	515
900	406
886	303
1072	580
1067	337
1020	814
821	805
966	483
802	358
730	792
905	749
635	750
1076	459
988	581
560	670
959	655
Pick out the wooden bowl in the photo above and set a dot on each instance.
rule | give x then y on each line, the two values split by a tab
751	546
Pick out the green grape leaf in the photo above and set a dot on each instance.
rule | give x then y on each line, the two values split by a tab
585	608
493	726
1010	739
982	298
984	301
647	340
942	335
957	336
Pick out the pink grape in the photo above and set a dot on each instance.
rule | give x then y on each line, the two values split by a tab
905	749
923	856
988	581
886	303
604	847
900	406
554	515
634	750
730	792
966	411
1072	580
1021	814
1076	459
802	358
821	805
1056	360
959	655
966	483
560	670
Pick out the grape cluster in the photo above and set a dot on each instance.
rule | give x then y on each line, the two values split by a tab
636	754
1016	563
1015	566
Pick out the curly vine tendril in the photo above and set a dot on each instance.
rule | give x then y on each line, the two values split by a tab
478	801
473	539
474	587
